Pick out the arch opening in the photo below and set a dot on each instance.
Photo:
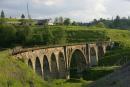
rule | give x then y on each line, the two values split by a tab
100	52
62	65
54	68
93	58
108	48
38	67
46	68
77	64
30	63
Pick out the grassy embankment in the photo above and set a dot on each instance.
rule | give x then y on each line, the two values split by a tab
14	73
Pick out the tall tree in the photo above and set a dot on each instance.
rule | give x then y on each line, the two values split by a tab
61	20
67	21
100	25
56	20
22	16
7	34
2	14
74	23
23	21
116	22
2	17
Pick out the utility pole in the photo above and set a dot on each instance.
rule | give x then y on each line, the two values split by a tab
29	16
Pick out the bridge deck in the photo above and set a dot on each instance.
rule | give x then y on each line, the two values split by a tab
18	50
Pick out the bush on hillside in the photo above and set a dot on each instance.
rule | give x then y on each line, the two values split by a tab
7	35
60	36
24	35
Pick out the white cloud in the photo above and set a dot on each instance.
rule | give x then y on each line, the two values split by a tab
48	2
118	7
89	10
80	10
99	7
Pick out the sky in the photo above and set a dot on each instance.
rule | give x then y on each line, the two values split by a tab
77	10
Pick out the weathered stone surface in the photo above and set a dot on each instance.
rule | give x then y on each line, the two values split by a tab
55	62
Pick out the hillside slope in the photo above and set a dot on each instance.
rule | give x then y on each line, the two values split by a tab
120	78
14	73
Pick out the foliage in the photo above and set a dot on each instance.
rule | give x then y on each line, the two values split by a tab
95	73
22	16
23	35
56	21
68	83
67	21
116	57
2	14
7	35
59	20
2	17
100	25
47	35
74	23
117	23
60	36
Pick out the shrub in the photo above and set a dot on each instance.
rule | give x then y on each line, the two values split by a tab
7	35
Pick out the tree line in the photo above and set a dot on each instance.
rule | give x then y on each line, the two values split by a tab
24	21
11	35
114	23
27	35
62	21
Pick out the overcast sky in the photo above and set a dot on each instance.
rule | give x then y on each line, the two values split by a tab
79	10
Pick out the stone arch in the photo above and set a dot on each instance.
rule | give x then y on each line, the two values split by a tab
38	68
46	68
62	65
77	64
54	67
93	57
100	52
30	63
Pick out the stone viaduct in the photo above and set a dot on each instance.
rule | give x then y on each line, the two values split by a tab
68	61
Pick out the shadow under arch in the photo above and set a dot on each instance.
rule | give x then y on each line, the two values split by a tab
93	58
38	67
108	48
100	52
62	66
54	68
46	68
30	63
77	64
